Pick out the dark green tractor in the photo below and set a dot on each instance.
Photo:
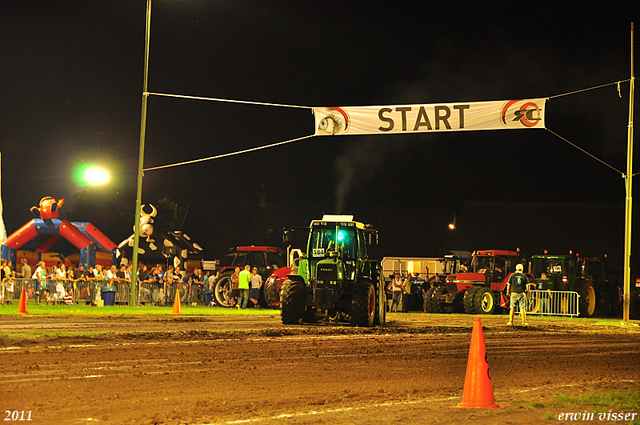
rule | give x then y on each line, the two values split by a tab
335	279
586	276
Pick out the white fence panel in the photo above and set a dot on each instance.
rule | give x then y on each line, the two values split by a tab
553	303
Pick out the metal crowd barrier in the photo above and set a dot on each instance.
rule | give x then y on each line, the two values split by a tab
81	290
52	289
196	293
84	291
188	293
88	291
152	292
555	303
12	288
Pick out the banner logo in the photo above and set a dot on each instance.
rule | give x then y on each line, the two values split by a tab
518	113
335	122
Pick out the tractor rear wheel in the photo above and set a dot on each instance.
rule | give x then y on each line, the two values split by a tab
271	295
363	303
436	306
381	307
608	301
222	290
588	299
292	301
427	300
634	305
484	301
468	300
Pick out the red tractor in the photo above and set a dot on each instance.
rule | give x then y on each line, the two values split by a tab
273	284
476	290
451	264
266	258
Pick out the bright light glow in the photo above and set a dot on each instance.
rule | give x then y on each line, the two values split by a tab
452	226
340	235
95	176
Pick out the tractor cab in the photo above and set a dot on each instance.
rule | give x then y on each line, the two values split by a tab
559	269
336	244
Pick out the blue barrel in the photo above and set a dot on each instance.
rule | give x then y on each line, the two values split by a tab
108	295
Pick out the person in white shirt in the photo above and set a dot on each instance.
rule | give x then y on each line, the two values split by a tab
61	271
396	291
40	275
256	284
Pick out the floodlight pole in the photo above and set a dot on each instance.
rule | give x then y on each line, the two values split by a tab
626	301
143	131
3	231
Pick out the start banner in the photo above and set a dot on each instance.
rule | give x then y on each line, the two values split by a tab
439	117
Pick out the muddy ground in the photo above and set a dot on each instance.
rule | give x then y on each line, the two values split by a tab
252	369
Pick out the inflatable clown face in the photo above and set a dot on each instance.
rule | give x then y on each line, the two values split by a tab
48	208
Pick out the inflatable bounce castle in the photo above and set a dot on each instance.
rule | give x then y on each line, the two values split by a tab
36	239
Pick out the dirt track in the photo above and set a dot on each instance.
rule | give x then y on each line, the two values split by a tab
221	369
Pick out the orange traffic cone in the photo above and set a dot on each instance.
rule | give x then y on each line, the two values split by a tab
177	308
22	305
478	388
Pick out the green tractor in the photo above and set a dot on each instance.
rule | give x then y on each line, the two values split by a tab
586	276
334	279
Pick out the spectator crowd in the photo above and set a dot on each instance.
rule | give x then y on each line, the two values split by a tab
62	284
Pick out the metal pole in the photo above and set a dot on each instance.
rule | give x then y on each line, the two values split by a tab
628	211
143	131
3	231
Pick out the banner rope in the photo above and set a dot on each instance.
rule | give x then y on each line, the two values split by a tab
592	88
584	151
217	99
282	105
228	154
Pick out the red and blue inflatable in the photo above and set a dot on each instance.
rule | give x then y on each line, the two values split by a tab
41	234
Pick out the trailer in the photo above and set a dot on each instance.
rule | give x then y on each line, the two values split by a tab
425	267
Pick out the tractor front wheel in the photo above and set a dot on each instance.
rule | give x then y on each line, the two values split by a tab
484	301
222	290
271	295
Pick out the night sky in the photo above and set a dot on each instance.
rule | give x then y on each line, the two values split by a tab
71	87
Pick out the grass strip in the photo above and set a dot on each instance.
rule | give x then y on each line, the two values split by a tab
603	405
82	310
629	399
